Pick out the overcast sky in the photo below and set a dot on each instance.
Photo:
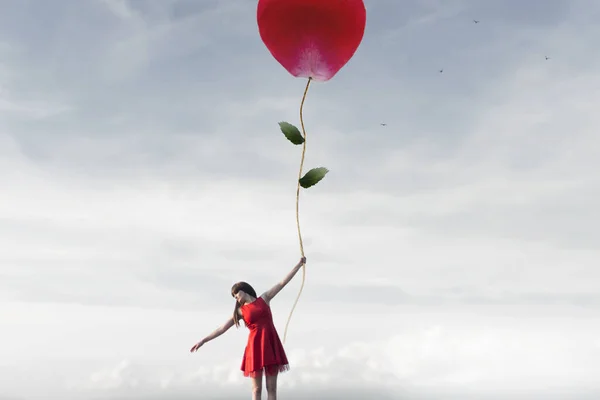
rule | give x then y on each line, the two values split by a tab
452	254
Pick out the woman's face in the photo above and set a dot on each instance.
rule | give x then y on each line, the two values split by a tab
241	297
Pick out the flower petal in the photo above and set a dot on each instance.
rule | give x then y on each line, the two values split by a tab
312	38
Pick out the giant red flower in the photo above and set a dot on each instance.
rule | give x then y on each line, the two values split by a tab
312	38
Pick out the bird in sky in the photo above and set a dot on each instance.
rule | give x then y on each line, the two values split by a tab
476	21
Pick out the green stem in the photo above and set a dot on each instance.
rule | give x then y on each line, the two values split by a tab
297	206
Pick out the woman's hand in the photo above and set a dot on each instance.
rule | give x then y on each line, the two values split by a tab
197	346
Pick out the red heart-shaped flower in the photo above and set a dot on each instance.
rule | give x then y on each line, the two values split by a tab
312	38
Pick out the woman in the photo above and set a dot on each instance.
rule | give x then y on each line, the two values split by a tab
264	352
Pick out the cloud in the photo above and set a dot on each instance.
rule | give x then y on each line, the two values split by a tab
16	106
394	295
493	357
414	351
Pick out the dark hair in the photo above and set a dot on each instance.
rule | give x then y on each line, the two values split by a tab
246	288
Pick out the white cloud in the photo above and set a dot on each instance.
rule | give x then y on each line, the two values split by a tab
483	349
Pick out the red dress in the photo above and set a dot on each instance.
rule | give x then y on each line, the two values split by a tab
264	351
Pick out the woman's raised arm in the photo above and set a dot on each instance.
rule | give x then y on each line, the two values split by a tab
269	294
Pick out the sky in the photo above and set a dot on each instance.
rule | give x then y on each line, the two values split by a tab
451	254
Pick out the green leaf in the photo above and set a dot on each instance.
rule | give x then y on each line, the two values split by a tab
313	177
291	132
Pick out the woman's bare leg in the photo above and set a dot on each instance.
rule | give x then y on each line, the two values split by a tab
257	386
272	386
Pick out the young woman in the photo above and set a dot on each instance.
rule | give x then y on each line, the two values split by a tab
264	352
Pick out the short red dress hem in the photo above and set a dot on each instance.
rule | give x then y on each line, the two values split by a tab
269	370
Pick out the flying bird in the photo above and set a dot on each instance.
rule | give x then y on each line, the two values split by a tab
547	58
383	124
475	21
441	70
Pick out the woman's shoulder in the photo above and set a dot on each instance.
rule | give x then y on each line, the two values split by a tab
265	299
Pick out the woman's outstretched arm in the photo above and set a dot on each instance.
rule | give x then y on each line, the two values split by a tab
215	334
269	294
